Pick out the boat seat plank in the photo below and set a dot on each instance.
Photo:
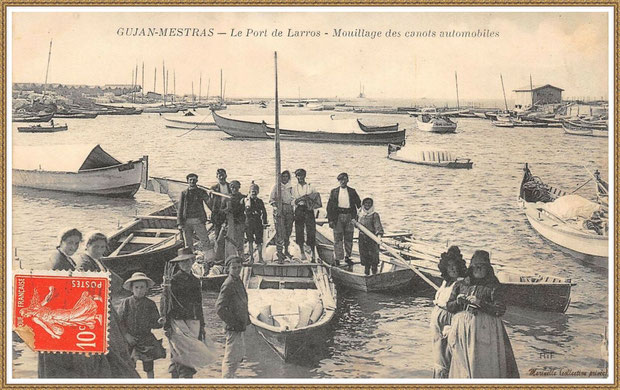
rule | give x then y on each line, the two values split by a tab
157	230
145	240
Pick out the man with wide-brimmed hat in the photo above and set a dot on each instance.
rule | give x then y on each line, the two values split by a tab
191	216
306	200
341	211
184	319
232	308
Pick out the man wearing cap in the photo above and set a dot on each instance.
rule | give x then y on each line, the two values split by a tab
234	209
232	308
306	200
191	216
287	208
184	319
341	211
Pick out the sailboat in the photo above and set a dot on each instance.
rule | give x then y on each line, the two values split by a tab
290	303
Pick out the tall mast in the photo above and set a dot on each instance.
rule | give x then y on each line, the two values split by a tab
155	81
135	84
457	90
163	75
142	85
532	91
504	91
221	88
279	222
167	80
224	92
200	88
47	69
208	85
174	85
193	100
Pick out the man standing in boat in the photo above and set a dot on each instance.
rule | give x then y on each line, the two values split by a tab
306	200
191	216
287	208
232	308
218	217
341	211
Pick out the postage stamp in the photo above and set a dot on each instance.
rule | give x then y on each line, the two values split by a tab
62	311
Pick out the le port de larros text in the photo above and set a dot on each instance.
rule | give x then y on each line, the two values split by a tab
296	33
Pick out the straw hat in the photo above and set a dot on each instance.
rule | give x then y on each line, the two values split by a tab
183	254
135	277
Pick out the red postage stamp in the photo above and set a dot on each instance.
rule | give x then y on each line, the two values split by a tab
62	312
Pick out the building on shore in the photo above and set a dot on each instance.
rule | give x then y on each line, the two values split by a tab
537	95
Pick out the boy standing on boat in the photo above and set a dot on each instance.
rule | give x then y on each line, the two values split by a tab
287	208
191	216
255	221
306	200
232	308
341	211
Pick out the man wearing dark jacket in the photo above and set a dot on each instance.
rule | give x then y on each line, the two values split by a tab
341	211
191	216
232	308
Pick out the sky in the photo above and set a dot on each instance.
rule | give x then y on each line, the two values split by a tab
567	49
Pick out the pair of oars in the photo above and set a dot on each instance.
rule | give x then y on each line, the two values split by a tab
394	253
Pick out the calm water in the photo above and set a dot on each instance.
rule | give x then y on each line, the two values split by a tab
375	335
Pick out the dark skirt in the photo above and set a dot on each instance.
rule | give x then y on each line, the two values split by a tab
369	250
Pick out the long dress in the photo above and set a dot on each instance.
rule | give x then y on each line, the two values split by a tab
478	340
138	316
369	250
440	318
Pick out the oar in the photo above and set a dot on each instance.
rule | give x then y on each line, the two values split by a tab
394	253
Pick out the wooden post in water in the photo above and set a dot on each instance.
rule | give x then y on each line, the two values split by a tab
504	91
279	222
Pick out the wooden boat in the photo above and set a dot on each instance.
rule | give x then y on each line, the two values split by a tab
503	123
590	245
436	124
390	276
28	117
528	290
238	128
362	138
145	245
290	305
440	159
161	110
585	128
42	129
83	169
374	129
192	123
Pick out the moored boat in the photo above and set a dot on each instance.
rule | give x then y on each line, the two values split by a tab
192	122
582	226
161	110
585	128
238	128
436	124
290	305
362	138
145	245
84	169
28	117
42	129
434	158
374	129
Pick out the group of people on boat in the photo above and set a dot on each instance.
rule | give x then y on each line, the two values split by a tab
469	337
236	218
133	316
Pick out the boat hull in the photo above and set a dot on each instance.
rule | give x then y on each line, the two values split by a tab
239	128
436	128
584	131
290	344
32	118
116	181
594	246
375	138
382	281
42	129
457	164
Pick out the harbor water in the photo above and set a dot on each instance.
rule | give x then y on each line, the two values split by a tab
375	335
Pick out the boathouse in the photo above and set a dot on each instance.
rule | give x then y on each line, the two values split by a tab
543	94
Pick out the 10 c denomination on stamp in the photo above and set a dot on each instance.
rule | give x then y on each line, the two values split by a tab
62	311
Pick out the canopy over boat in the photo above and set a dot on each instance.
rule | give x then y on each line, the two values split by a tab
61	158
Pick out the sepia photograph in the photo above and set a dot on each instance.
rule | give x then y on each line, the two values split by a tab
316	195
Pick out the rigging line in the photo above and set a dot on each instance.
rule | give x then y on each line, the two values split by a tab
194	128
575	190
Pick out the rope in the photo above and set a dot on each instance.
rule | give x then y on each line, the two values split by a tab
194	128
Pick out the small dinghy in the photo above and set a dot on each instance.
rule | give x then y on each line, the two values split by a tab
433	158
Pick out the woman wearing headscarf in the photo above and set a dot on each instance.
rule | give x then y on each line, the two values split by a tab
453	269
478	339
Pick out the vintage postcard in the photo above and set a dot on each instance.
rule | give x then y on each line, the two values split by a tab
316	195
